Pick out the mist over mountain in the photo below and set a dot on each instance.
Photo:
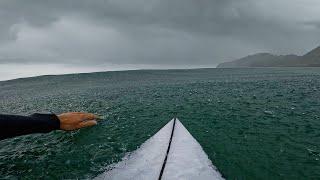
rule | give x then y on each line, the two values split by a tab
311	59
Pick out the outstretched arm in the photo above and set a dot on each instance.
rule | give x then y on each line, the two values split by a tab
13	125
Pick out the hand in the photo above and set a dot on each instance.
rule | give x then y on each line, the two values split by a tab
76	120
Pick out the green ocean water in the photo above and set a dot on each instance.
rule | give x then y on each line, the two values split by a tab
252	123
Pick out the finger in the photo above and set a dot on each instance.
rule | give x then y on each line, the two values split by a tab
87	124
85	116
77	112
90	116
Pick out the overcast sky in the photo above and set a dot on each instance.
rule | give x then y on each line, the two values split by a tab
67	36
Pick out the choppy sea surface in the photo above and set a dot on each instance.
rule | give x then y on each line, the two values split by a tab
253	123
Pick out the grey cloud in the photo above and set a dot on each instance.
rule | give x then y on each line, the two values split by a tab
151	31
312	24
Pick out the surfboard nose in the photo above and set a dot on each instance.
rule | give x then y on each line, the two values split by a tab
172	153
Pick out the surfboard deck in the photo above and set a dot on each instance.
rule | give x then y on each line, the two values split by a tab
172	153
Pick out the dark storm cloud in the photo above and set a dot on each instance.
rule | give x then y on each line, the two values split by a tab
177	32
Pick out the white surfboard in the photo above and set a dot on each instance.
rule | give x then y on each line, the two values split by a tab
172	153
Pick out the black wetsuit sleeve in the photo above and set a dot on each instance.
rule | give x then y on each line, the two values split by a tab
13	125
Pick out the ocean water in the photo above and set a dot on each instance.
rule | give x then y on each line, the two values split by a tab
252	123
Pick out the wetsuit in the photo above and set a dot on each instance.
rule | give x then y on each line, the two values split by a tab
13	125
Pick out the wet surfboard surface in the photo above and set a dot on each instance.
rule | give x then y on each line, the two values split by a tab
172	153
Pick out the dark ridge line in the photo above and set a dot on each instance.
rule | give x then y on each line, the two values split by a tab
165	159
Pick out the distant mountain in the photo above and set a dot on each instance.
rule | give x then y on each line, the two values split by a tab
311	59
